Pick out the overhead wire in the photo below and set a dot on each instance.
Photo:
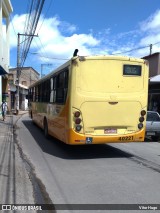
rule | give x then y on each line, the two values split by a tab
50	57
30	28
31	24
131	50
156	43
42	46
11	21
26	25
49	7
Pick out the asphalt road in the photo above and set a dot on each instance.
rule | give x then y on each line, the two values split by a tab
93	174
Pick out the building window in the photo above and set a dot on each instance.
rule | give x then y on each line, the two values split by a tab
24	83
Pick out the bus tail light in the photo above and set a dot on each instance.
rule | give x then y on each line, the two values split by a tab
141	119
143	112
77	114
140	126
78	128
77	121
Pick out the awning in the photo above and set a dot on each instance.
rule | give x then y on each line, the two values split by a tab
155	78
2	71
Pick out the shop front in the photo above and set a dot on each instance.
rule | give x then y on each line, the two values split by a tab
154	94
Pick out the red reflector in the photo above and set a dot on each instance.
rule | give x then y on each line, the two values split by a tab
77	114
78	121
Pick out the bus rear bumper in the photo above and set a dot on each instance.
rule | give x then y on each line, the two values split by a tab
80	139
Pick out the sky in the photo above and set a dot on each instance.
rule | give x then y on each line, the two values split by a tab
94	27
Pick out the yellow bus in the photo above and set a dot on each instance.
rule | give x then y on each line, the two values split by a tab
93	100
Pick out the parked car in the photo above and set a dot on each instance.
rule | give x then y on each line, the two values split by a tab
153	125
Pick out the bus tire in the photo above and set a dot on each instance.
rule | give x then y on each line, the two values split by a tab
45	124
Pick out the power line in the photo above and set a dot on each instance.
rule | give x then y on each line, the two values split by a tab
25	50
156	43
131	50
66	59
39	46
42	45
43	56
51	1
30	26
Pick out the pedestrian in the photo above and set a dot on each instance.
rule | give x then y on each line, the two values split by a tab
4	109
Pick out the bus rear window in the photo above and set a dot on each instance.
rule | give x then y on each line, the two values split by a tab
134	70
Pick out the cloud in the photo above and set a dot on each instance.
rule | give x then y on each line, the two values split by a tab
139	39
16	26
151	23
151	29
55	37
58	39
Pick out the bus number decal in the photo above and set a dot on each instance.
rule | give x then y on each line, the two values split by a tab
126	138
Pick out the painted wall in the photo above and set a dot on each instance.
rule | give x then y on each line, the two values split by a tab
5	10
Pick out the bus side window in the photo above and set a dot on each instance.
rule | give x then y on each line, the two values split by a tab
51	92
48	90
61	87
39	93
43	92
34	94
31	94
66	85
45	88
54	89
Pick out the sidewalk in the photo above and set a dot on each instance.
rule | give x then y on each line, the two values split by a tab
15	185
20	112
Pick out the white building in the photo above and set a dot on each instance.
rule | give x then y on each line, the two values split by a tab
5	10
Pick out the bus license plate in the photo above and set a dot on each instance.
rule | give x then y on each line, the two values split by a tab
150	133
110	131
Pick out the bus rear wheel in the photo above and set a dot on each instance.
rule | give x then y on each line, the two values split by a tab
45	128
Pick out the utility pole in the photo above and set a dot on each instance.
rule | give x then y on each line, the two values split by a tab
19	70
42	65
18	74
150	49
